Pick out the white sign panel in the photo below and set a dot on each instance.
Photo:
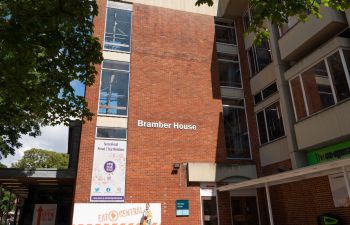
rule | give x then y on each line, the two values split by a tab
44	214
108	175
117	213
207	190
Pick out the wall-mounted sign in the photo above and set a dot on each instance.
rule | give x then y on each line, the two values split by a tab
122	213
207	190
108	175
163	125
329	153
44	214
182	208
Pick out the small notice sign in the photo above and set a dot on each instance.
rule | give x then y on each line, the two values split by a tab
182	208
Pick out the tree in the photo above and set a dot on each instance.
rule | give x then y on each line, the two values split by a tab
44	46
2	166
279	11
39	158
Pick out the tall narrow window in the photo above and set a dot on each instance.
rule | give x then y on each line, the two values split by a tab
259	57
236	131
118	29
114	88
317	87
338	75
229	71
270	123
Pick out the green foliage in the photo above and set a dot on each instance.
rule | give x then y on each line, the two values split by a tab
2	166
278	12
7	203
39	158
44	46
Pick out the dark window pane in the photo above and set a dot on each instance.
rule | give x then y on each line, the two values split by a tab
225	34
227	57
114	92
118	26
338	76
274	121
297	93
262	127
252	61
263	55
236	132
230	74
233	102
257	98
111	133
270	90
317	88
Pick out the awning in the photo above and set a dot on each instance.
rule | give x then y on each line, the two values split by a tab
18	181
292	176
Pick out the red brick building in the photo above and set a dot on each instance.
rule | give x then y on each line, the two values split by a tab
206	124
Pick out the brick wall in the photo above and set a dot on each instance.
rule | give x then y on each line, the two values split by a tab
299	203
173	79
84	170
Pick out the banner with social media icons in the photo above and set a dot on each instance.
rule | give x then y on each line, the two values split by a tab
108	175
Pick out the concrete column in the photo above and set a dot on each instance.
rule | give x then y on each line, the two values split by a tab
298	158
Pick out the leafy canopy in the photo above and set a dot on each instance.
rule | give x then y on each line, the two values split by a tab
44	46
39	158
278	12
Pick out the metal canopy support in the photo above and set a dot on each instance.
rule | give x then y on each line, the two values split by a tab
269	203
346	180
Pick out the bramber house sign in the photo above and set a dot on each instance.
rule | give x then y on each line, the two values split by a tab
164	125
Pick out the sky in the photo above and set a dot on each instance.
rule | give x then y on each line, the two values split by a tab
52	138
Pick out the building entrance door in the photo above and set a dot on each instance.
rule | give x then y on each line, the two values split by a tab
244	211
210	216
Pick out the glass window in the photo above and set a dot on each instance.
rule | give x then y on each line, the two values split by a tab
340	83
274	121
265	93
118	29
269	90
114	88
236	131
270	123
115	133
298	98
229	72
317	88
225	32
257	98
262	127
259	57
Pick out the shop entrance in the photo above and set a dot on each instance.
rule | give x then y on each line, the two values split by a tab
244	211
210	216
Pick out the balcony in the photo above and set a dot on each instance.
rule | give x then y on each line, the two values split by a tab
305	37
327	126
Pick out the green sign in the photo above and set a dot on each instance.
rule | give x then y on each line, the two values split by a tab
182	208
329	153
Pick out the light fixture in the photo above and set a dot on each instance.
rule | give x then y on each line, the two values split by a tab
176	166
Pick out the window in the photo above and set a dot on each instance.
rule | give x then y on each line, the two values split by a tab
317	86
225	32
259	57
236	131
118	29
270	123
265	93
114	88
113	133
229	71
321	86
246	19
